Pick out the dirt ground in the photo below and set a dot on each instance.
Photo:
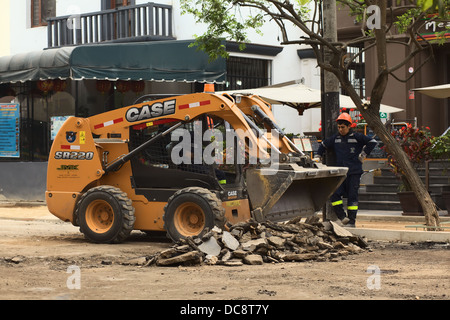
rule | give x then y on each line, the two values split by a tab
45	259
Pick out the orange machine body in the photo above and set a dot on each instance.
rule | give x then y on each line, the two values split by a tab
85	150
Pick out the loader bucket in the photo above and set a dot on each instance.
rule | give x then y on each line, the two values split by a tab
280	195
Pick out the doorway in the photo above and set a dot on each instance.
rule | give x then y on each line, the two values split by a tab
114	4
115	23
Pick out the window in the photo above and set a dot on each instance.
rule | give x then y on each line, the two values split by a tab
36	114
247	73
41	10
113	4
179	160
121	3
356	69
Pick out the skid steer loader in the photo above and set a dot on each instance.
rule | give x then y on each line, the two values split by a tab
181	165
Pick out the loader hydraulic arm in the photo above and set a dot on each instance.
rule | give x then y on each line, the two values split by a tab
265	118
261	134
116	164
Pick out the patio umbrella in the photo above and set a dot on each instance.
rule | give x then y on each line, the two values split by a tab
301	97
441	91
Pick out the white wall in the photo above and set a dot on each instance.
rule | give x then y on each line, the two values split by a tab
23	38
310	121
5	27
288	118
69	7
286	66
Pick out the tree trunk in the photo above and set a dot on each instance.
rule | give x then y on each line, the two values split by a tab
424	198
372	116
330	92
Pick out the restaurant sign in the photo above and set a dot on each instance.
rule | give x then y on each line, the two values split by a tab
9	130
435	30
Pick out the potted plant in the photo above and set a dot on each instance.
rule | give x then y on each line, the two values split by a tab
440	149
440	146
416	143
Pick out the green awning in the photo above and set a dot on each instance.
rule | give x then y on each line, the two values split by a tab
151	61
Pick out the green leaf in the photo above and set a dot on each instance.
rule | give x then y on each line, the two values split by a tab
303	2
425	4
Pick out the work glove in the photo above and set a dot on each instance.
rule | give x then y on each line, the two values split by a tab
362	156
317	159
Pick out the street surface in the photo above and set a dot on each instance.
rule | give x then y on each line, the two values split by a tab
44	258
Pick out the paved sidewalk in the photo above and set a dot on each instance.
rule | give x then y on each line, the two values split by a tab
373	224
17	209
393	226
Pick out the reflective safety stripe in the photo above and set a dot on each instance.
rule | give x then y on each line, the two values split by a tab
336	203
222	181
352	207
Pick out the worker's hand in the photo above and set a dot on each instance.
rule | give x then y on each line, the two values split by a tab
317	159
362	156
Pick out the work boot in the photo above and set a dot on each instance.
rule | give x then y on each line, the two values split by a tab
345	221
350	225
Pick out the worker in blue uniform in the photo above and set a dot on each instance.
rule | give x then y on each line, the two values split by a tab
350	149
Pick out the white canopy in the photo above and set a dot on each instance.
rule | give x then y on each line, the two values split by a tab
441	91
347	102
300	94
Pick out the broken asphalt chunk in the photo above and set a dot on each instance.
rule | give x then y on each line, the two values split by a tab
256	243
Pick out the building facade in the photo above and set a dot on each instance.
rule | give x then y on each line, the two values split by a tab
80	58
420	110
64	58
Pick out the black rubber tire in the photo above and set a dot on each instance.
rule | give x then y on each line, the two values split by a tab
121	213
204	200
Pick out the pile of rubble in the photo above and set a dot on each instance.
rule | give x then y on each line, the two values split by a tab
268	242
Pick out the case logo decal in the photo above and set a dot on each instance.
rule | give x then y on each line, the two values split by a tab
155	110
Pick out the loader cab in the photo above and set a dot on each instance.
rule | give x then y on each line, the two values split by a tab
194	155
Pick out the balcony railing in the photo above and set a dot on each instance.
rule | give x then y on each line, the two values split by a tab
132	23
400	3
